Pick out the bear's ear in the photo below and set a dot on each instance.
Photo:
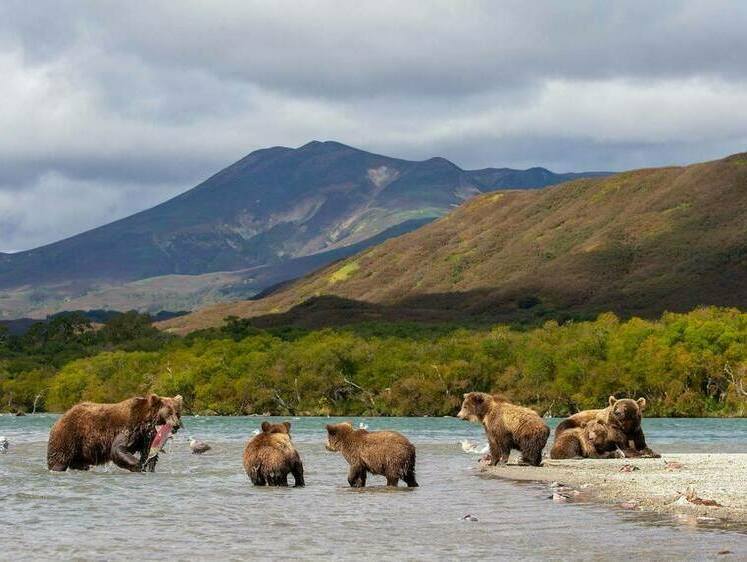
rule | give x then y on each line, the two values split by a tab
265	426
477	398
178	401
465	395
641	403
287	425
612	400
154	401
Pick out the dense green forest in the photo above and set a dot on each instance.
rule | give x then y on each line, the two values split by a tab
692	364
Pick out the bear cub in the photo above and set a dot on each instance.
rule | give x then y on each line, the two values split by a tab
622	418
507	427
386	453
594	441
270	456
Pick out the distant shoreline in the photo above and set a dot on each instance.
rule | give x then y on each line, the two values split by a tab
654	485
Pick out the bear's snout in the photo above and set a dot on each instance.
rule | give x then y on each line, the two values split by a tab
462	415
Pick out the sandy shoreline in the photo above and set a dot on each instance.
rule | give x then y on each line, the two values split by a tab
656	485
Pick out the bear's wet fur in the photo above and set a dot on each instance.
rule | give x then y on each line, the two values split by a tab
270	456
90	434
593	441
507	427
385	453
623	419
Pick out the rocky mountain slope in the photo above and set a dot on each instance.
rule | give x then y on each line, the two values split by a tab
269	208
639	242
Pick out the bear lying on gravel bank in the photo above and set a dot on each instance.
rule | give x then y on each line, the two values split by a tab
385	453
90	434
623	420
270	456
594	441
507	427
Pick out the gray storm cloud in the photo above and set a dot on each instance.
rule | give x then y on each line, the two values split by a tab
111	107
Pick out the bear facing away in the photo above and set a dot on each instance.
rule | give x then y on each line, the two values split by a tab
90	434
623	419
270	456
593	441
386	453
507	427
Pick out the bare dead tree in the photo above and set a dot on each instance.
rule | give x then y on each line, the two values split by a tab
36	401
369	395
736	379
440	378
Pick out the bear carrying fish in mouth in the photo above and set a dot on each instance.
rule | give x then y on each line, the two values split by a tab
90	434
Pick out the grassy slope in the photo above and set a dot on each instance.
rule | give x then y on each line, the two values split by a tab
639	242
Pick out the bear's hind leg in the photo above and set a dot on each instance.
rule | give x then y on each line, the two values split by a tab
410	479
298	474
531	452
392	481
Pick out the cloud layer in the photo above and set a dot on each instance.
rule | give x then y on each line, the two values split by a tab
110	107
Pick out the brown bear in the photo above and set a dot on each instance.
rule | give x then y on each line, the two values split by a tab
386	453
90	434
623	419
593	441
507	427
270	456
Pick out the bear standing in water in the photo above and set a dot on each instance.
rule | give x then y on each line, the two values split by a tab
270	456
594	441
90	434
507	427
623	420
386	453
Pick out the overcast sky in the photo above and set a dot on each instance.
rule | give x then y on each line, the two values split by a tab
107	108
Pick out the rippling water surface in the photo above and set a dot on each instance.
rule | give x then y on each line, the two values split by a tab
204	507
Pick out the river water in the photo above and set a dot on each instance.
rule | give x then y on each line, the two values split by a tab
204	507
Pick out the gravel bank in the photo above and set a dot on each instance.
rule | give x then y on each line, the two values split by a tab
679	484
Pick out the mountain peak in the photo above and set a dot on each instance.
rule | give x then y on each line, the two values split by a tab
325	145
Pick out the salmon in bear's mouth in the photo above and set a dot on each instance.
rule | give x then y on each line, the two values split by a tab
163	433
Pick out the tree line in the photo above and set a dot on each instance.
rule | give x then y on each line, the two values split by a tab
692	364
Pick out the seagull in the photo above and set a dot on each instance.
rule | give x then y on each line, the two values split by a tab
3	444
198	447
362	425
471	448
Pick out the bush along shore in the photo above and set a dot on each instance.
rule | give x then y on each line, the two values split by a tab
691	364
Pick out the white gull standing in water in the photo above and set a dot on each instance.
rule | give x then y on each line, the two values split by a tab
198	447
3	444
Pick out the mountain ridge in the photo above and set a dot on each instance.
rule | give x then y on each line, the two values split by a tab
273	205
635	243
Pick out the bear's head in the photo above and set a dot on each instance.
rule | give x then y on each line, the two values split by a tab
268	427
164	410
626	413
336	435
597	433
475	406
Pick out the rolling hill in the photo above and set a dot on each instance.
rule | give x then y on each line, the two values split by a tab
270	208
639	242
